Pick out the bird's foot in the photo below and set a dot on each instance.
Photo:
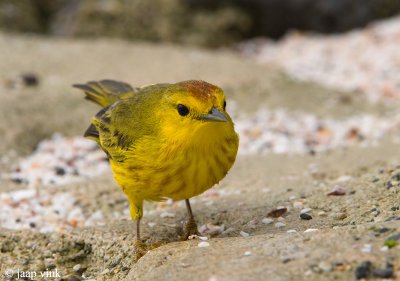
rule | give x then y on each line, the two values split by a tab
140	249
190	229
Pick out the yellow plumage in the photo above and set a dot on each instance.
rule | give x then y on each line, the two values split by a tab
165	140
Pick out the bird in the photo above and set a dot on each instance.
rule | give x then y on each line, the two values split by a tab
163	141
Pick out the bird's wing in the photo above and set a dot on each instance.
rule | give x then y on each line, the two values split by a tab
106	92
117	127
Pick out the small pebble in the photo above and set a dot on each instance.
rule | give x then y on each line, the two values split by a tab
383	272
337	191
325	266
311	230
244	234
29	79
305	216
362	270
290	231
60	171
247	253
115	263
278	212
306	210
384	249
167	215
105	271
344	178
203	244
49	263
297	204
395	237
77	267
267	221
211	229
280	224
386	272
321	213
340	216
367	248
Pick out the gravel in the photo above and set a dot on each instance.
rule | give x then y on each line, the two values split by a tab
364	61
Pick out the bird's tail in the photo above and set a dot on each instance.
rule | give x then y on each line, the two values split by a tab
106	92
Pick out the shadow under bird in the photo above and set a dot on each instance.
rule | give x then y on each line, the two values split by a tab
163	141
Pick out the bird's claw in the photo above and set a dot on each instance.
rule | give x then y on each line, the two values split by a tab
190	229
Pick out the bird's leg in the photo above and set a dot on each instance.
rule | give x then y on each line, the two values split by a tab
140	247
191	226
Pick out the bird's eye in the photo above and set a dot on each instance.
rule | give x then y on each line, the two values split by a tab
182	110
224	104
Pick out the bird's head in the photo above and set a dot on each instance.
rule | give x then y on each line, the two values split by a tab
195	105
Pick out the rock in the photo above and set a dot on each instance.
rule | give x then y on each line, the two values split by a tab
305	216
105	271
297	204
367	248
203	244
77	267
280	225
393	240
278	212
306	210
395	237
50	263
363	270
325	266
267	221
383	272
337	191
115	263
340	216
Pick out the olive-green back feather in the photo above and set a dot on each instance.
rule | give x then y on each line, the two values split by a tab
123	120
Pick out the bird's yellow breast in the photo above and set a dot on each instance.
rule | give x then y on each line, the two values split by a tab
181	166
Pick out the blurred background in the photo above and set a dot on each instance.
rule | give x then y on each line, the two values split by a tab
313	87
210	23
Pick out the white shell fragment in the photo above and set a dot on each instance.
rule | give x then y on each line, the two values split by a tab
203	244
267	221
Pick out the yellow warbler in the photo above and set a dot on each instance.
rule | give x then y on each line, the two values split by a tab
163	141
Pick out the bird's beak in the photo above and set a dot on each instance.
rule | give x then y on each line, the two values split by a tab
215	115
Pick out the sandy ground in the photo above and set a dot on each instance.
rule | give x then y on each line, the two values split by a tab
346	229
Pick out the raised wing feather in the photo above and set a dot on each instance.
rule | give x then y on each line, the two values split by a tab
118	127
106	92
